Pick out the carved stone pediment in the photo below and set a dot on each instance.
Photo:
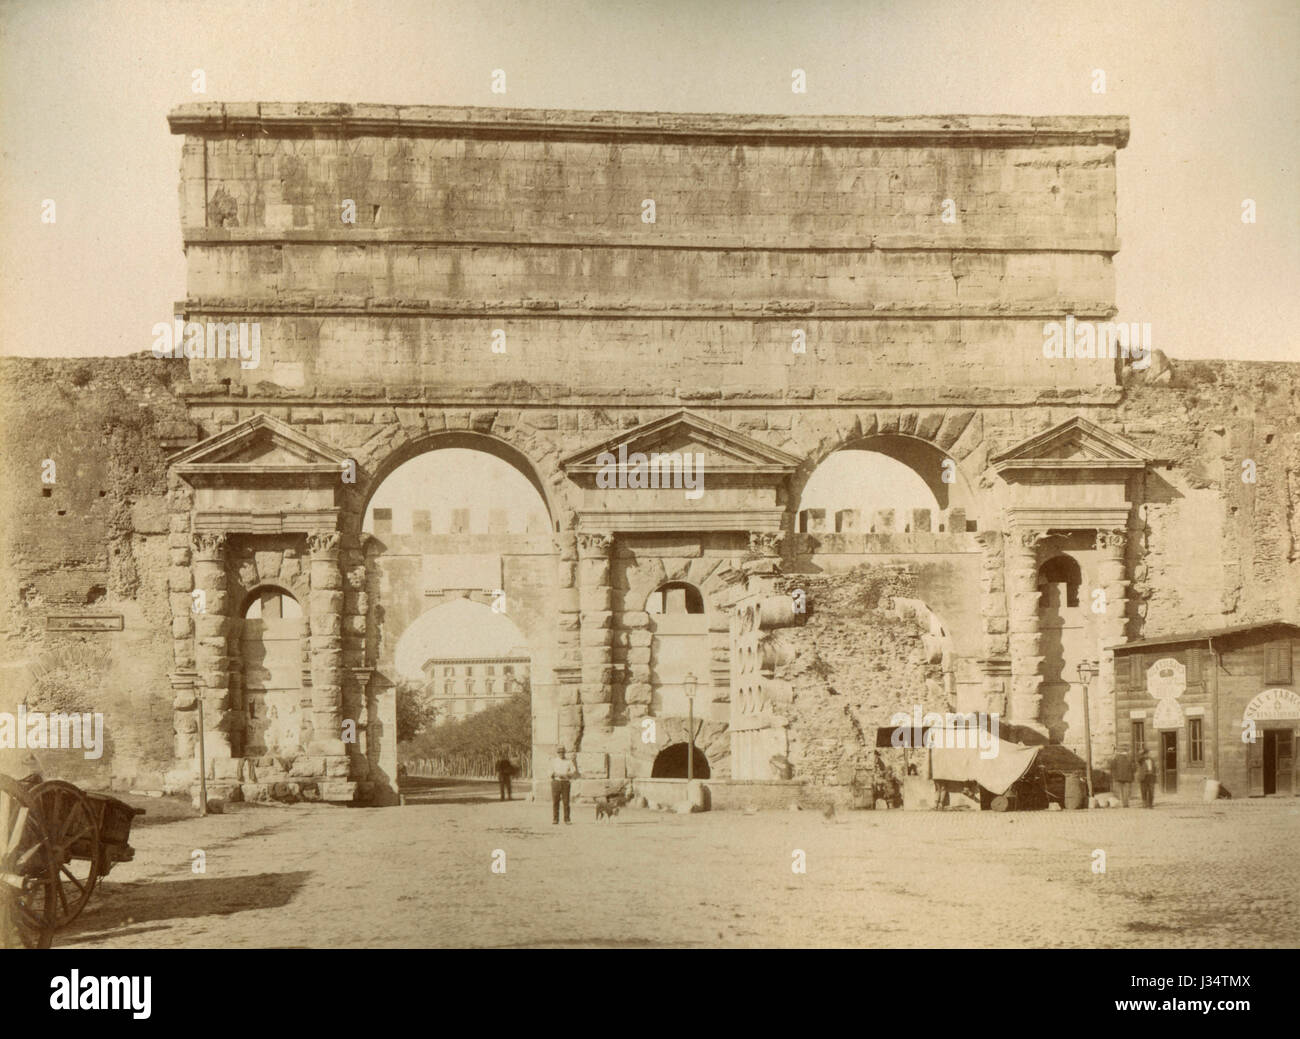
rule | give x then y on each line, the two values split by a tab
1074	444
263	476
260	445
725	451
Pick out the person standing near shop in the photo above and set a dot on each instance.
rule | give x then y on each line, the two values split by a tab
1121	774
563	770
1146	774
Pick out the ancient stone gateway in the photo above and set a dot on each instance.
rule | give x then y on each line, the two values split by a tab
554	288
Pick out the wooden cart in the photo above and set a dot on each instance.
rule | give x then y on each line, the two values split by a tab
56	842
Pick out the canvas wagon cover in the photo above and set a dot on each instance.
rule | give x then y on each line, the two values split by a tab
995	774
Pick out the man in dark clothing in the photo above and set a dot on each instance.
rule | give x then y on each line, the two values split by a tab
1146	773
1121	774
505	769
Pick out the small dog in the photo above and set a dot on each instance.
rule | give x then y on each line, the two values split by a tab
607	808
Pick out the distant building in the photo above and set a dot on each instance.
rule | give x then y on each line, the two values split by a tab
461	686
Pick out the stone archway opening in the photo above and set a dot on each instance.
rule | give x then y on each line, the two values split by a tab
670	763
1067	631
886	485
463	577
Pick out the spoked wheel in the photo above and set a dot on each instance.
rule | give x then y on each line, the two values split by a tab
28	902
73	831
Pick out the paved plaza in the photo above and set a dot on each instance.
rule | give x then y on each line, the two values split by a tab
1181	876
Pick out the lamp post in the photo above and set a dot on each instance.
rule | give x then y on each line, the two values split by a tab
1087	672
689	683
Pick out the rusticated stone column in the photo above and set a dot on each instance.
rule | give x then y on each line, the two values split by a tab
558	711
995	663
355	675
326	626
1025	637
1112	575
212	628
595	632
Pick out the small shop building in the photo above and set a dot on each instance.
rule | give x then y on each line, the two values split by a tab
1219	705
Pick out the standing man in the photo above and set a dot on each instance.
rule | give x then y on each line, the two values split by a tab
505	769
1146	773
1121	774
562	771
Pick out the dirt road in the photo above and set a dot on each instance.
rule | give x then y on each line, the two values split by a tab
422	875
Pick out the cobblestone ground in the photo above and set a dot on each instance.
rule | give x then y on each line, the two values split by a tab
316	876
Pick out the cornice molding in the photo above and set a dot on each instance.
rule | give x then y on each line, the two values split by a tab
761	310
213	119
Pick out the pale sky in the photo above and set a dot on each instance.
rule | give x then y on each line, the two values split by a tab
458	478
867	481
1211	90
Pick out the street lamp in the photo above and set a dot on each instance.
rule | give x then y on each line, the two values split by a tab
689	684
1088	670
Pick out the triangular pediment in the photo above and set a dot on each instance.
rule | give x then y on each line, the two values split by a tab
1074	444
259	444
724	449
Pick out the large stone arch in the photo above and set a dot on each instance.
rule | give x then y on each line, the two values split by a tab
529	455
396	604
919	439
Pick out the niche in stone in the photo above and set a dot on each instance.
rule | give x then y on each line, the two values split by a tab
279	719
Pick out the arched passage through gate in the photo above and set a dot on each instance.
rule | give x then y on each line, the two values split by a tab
462	577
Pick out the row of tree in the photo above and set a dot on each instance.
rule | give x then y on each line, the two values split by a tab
463	746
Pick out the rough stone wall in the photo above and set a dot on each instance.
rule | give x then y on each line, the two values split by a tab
855	663
1218	549
95	544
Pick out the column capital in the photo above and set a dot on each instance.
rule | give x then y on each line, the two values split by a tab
766	542
321	542
1111	540
1027	539
595	543
209	545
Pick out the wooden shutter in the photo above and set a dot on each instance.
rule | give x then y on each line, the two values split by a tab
1278	661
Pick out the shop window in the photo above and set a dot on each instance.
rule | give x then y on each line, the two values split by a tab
1195	741
1139	737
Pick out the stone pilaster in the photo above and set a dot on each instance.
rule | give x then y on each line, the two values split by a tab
595	631
1112	576
1025	637
212	662
326	627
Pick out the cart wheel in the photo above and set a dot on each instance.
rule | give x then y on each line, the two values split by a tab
73	830
28	903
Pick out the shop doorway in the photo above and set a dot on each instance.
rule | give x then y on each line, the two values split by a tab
1169	761
1277	761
